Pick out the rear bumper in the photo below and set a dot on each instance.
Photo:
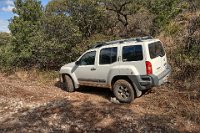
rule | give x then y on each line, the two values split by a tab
162	78
145	82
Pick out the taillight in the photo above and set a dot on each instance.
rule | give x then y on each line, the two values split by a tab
149	68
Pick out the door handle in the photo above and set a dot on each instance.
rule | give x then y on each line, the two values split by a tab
119	58
93	69
158	68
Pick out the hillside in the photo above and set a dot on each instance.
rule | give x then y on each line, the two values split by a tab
42	39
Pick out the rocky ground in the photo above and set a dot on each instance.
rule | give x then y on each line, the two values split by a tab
29	106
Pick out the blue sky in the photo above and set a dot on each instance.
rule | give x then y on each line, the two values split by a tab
6	7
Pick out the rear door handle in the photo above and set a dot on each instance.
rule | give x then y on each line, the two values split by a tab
158	68
119	58
93	69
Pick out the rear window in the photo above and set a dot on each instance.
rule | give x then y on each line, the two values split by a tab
156	49
132	53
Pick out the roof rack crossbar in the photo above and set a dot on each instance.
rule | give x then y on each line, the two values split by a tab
100	44
138	39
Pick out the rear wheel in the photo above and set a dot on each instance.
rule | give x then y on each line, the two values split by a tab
123	91
68	83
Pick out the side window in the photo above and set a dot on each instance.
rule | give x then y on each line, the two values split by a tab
108	56
132	53
88	58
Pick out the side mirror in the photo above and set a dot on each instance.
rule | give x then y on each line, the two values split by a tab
78	63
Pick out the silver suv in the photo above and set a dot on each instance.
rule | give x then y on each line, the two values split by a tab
127	67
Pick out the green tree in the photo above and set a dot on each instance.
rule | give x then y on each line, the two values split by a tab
89	15
57	23
4	38
24	26
4	48
58	34
163	11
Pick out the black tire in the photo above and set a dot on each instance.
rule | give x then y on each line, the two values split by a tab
68	83
123	91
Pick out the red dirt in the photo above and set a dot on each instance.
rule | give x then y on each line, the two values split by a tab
26	106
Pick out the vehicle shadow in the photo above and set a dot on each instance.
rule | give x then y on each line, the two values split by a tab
106	93
103	92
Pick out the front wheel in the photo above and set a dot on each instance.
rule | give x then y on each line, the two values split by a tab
68	83
123	91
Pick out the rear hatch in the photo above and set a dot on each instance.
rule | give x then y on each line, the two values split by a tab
157	57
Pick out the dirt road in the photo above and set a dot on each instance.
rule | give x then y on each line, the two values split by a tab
28	106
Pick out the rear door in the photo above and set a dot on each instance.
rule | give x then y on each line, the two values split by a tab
157	57
107	63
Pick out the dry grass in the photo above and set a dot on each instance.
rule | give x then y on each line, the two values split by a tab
180	103
35	75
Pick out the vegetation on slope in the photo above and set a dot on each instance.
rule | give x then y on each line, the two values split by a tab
48	37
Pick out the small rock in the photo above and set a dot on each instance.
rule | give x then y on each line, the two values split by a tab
76	129
99	129
50	123
25	113
114	100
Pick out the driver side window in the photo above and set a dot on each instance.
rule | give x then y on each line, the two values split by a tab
88	58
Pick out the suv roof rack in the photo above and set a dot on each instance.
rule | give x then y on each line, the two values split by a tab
138	39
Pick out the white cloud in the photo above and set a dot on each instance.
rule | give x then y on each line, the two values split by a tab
7	9
6	5
9	2
4	26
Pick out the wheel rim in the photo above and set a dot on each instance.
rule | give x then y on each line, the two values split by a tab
123	92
